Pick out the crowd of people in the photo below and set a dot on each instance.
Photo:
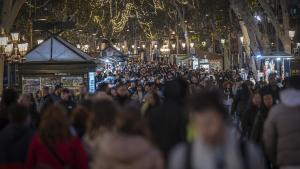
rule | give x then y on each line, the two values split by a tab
155	116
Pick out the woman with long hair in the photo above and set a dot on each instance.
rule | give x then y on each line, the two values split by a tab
54	146
128	146
101	120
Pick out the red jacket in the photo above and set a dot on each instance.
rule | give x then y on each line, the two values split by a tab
71	152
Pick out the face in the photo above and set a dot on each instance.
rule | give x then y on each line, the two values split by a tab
151	99
24	100
272	81
256	100
122	91
209	125
113	92
139	88
147	88
64	96
268	100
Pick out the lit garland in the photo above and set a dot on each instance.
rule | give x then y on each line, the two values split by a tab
119	21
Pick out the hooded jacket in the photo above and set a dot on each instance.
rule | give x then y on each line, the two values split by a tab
282	130
118	151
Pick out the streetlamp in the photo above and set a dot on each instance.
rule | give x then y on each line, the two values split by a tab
223	41
3	42
292	34
242	39
173	46
39	41
14	36
143	46
192	44
203	43
223	47
183	45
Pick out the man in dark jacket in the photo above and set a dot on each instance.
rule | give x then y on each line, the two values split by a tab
168	121
66	100
282	128
15	138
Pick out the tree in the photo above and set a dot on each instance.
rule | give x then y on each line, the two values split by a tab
259	36
10	10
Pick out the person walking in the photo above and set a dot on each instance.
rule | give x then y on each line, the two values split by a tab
54	146
128	146
248	118
9	97
15	137
282	128
101	120
216	145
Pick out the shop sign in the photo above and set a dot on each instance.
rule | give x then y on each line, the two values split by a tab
92	88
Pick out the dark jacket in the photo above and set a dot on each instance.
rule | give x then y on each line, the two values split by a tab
69	105
168	121
258	126
241	100
248	118
282	130
14	143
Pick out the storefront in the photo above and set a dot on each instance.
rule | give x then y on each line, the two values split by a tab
274	62
112	56
56	62
209	60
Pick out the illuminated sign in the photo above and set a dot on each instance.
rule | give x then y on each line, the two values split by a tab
92	87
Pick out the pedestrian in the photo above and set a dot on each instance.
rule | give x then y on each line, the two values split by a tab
9	97
249	115
101	120
216	145
122	97
80	116
167	122
260	118
54	146
46	99
281	131
128	146
66	101
15	137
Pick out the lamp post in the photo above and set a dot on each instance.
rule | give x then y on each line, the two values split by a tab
223	51
15	52
242	54
292	35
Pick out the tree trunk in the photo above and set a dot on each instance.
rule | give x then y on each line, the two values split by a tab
282	31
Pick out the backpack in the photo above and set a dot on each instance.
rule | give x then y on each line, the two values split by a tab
242	148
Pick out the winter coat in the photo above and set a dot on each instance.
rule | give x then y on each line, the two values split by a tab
168	121
119	151
241	100
230	155
71	152
248	118
258	126
14	143
167	124
282	130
